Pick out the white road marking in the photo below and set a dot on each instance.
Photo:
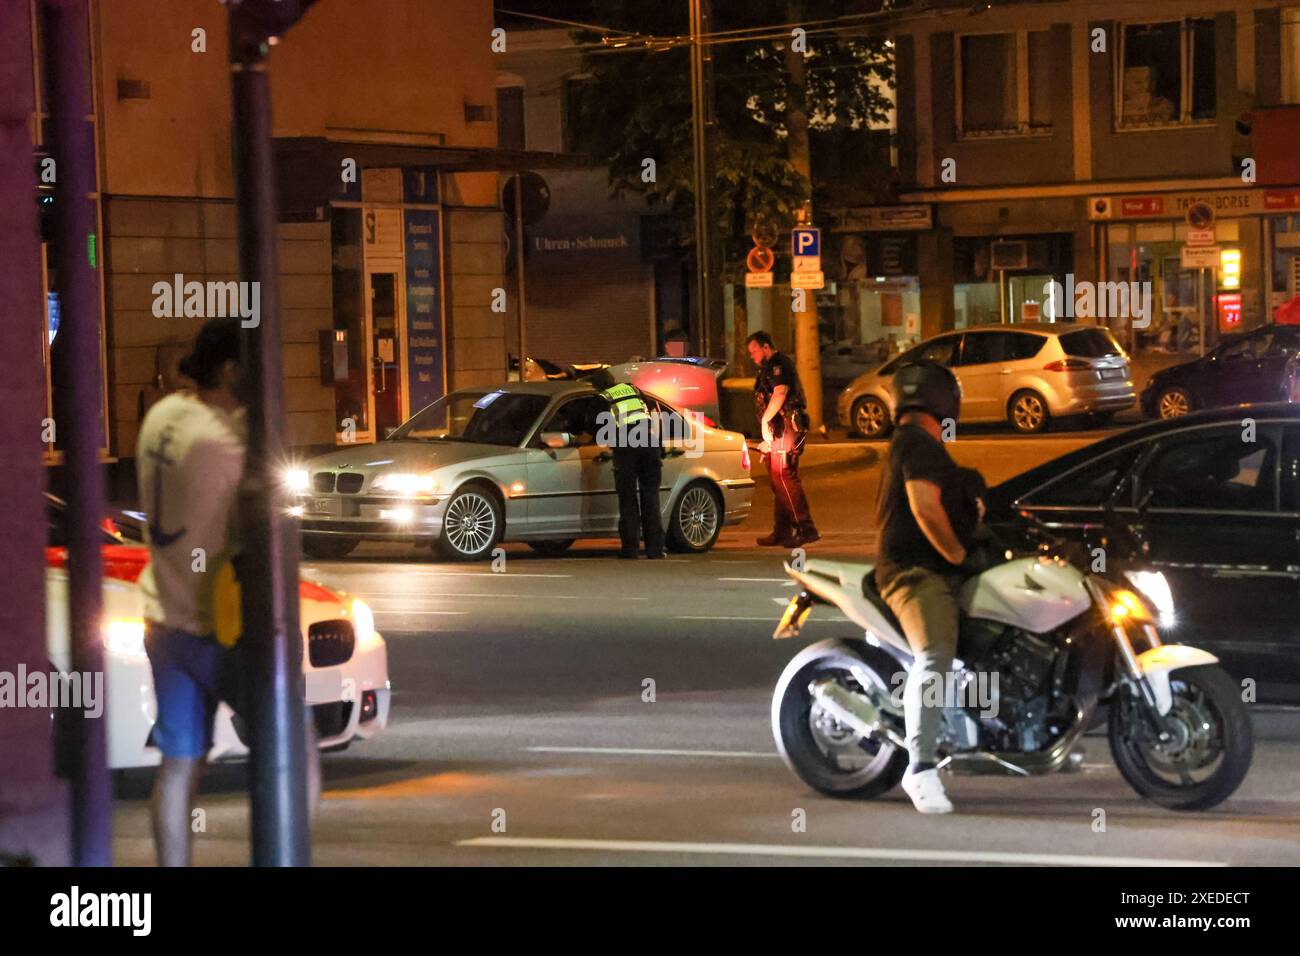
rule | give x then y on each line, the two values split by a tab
823	852
397	612
650	752
762	580
768	619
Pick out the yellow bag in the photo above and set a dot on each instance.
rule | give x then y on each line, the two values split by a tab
227	608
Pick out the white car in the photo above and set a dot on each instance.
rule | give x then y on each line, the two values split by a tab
345	660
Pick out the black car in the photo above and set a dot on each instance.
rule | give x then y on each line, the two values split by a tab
1249	367
1210	500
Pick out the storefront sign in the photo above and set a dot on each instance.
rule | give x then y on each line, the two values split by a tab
885	218
424	346
572	239
1220	203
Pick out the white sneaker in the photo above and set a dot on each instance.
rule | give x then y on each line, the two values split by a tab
926	790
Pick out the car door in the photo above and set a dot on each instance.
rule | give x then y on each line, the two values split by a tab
982	366
1269	381
571	489
1078	503
1219	519
1228	378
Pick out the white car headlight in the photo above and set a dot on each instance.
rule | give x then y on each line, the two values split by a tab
363	620
297	480
405	483
1155	588
125	636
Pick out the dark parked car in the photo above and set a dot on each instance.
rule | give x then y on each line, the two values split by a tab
1212	502
1249	367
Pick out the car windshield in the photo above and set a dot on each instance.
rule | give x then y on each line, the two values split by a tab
484	417
1090	343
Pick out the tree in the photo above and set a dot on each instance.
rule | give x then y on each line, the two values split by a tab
636	105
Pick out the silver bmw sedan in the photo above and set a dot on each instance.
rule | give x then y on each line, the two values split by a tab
514	463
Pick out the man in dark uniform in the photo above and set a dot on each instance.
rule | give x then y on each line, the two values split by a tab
627	427
779	404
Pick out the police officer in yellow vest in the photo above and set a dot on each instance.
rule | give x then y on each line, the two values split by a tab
627	427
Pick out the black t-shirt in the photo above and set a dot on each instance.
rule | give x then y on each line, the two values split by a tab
914	455
779	370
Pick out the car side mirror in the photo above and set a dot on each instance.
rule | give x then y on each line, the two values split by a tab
556	439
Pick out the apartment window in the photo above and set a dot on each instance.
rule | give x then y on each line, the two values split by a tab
1004	83
574	90
510	117
1167	74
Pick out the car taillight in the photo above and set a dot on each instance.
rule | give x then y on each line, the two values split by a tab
744	456
1068	365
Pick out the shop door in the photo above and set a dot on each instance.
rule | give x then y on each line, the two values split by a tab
386	339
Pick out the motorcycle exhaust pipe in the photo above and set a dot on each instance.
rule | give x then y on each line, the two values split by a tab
853	710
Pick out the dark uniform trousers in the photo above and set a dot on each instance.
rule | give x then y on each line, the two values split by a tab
637	473
792	514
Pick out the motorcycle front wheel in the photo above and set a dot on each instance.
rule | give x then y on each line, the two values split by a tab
1210	748
823	753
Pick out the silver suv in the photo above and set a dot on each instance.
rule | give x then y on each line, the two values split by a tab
1026	374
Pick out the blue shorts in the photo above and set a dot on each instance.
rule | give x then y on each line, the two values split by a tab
187	670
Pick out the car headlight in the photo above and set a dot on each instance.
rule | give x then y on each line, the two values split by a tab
1155	587
405	483
297	480
363	620
125	636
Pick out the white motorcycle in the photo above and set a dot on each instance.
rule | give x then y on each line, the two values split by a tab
1042	645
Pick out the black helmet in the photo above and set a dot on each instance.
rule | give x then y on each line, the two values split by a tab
928	387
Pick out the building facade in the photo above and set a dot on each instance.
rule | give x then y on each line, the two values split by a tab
1082	143
390	235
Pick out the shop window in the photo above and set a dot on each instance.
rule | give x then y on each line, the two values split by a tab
1004	83
351	383
1167	74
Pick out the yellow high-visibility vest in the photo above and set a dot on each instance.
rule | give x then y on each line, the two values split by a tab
629	406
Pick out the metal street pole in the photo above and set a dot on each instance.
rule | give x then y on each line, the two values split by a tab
519	271
79	414
269	548
807	336
700	64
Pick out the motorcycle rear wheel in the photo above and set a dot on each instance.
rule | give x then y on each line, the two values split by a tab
1214	739
827	756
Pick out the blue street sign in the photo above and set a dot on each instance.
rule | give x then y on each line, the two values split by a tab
806	242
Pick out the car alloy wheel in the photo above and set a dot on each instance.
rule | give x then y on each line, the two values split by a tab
470	525
870	418
1028	413
1174	403
697	519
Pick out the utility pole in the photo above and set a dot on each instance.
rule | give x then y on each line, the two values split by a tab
79	413
807	338
272	637
701	116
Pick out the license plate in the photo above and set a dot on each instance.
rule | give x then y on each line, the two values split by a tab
320	506
1110	373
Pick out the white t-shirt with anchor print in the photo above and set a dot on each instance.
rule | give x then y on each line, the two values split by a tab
189	458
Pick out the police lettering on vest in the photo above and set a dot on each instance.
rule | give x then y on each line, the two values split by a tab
628	423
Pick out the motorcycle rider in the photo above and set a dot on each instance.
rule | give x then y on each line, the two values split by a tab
924	499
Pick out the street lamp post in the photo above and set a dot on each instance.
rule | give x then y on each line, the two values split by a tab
700	65
269	549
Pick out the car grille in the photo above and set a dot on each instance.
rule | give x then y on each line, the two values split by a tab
330	643
350	484
322	482
332	719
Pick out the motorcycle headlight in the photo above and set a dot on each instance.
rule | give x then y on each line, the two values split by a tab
405	483
363	620
125	636
1155	588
